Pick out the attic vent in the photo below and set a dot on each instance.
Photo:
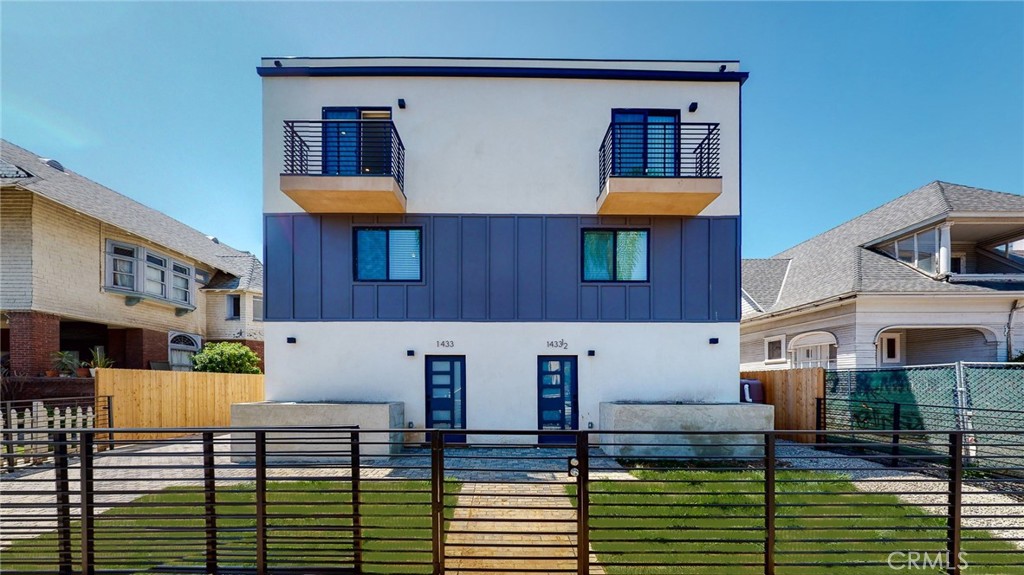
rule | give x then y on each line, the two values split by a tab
213	239
52	163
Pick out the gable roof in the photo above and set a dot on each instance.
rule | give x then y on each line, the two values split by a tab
52	181
835	262
766	277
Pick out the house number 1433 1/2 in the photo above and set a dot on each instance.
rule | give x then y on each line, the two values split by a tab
445	343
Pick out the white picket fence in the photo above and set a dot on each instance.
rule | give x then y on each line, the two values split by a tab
27	432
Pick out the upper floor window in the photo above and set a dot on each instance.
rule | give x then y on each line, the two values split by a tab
138	269
257	308
615	255
234	305
646	142
920	250
388	254
774	349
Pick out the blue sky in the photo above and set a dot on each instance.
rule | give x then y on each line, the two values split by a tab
848	104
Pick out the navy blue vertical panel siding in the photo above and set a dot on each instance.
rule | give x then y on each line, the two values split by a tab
306	266
561	268
501	278
696	275
666	268
500	268
590	302
639	301
445	268
724	277
418	302
613	302
364	301
277	270
474	267
335	267
391	302
530	268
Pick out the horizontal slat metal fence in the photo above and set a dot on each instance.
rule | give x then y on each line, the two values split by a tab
346	500
659	150
356	147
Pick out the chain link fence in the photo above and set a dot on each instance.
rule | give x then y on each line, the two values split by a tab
960	396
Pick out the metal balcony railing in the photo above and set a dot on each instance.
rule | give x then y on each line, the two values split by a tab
343	148
659	150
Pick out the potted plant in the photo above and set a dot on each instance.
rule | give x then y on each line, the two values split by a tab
83	369
65	363
99	359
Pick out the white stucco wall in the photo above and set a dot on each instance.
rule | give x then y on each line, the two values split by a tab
499	145
361	361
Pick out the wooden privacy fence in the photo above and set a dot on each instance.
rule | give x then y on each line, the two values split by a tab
156	399
793	392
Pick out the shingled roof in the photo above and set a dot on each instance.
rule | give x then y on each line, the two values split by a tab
50	180
835	262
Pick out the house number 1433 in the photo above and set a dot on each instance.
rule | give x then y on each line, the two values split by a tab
446	343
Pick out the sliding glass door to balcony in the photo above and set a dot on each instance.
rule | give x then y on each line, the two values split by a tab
646	143
360	147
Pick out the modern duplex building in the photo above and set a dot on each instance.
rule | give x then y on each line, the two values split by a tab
83	266
934	276
501	243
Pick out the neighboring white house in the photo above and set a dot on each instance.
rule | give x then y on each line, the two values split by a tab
934	276
501	243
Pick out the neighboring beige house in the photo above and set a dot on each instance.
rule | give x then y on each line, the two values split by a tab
934	276
82	266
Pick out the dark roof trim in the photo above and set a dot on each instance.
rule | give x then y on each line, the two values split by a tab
503	72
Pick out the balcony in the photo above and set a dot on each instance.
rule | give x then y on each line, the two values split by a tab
344	166
659	168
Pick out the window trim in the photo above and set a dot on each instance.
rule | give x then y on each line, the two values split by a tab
782	349
615	260
230	299
387	254
882	348
140	264
171	347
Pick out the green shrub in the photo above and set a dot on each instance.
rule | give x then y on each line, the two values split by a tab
226	357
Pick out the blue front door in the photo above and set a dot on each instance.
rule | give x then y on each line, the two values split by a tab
446	395
557	399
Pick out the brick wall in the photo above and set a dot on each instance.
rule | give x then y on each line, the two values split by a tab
142	346
34	337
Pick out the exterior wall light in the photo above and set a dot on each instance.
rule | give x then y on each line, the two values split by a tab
591	352
291	340
410	352
713	341
693	107
401	103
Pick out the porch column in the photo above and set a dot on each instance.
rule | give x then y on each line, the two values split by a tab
34	338
945	249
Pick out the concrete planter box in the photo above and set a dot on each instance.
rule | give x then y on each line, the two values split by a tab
654	417
318	446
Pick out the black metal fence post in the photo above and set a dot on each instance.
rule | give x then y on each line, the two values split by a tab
63	487
261	502
437	499
955	509
583	503
210	512
769	504
88	566
357	523
896	426
110	421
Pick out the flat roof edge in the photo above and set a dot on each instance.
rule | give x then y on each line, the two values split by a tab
503	72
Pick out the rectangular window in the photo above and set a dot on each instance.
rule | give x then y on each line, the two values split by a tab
156	283
181	278
927	250
136	269
234	304
774	349
615	255
257	309
890	344
388	254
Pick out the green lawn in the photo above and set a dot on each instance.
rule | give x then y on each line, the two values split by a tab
717	518
306	528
